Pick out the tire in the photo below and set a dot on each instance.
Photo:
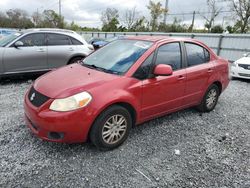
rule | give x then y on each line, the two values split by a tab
106	132
210	99
75	60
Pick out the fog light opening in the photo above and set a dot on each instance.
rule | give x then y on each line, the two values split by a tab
55	135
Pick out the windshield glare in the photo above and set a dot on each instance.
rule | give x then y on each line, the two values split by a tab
6	40
118	56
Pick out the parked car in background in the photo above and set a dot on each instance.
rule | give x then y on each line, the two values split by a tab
123	84
241	67
39	50
5	32
100	43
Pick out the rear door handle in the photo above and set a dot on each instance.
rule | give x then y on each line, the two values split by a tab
181	77
71	49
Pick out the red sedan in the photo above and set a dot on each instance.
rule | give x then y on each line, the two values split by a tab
123	84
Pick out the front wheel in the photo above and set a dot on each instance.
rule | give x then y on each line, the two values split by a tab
111	128
210	99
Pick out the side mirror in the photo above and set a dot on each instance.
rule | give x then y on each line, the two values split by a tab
163	70
18	44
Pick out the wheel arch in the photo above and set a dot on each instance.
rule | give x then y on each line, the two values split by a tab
131	109
219	84
75	56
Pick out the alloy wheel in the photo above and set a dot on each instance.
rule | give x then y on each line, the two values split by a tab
114	129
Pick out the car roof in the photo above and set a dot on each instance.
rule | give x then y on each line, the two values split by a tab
162	38
56	30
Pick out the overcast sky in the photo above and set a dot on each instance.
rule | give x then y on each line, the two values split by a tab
87	12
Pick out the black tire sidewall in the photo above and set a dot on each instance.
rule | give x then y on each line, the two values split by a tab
96	131
75	59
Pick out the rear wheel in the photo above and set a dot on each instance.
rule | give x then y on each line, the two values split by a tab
111	128
210	99
76	60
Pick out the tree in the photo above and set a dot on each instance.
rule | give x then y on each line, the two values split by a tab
156	12
18	19
110	20
52	19
214	12
242	10
131	17
37	19
217	29
141	25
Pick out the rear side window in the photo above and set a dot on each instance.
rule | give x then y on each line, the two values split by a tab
196	54
58	40
169	54
37	39
75	42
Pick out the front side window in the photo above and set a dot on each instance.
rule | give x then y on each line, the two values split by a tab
144	70
196	54
58	40
169	54
118	56
37	39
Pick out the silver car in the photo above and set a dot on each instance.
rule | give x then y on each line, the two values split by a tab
40	50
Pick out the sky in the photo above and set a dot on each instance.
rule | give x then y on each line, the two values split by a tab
87	12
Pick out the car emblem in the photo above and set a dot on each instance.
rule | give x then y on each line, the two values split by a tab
32	96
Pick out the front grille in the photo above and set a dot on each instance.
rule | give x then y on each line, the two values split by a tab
244	66
245	75
36	98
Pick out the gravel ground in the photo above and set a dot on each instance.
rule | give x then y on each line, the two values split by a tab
184	149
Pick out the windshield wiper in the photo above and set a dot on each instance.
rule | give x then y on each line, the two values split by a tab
100	68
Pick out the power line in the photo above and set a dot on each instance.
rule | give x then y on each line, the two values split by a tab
191	13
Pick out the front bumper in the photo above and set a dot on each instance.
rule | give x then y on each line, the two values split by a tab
239	72
69	127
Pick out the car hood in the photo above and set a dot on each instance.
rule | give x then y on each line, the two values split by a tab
244	60
70	80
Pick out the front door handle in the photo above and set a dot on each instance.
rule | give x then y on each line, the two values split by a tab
71	49
41	50
181	77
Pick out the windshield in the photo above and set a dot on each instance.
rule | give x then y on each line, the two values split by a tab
6	40
118	56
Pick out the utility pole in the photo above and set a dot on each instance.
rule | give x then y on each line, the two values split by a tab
60	15
165	14
193	21
60	8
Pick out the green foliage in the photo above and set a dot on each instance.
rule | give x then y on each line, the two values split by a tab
217	29
176	26
15	18
156	11
110	20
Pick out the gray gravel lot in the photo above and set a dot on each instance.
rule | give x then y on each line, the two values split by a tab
184	149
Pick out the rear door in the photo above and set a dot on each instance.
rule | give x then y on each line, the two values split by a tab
199	70
60	49
163	94
32	56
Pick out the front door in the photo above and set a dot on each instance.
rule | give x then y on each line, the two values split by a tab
32	56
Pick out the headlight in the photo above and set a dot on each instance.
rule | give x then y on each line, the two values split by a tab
71	103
